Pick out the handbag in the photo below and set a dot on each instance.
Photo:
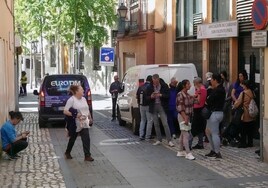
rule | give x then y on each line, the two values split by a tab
238	112
184	127
206	113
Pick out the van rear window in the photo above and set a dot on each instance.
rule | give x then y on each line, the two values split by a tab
57	86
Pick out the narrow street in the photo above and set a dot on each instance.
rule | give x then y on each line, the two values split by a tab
121	160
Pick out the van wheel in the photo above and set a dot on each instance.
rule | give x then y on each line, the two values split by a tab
42	123
135	121
121	122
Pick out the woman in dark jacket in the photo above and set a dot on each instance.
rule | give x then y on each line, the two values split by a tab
215	102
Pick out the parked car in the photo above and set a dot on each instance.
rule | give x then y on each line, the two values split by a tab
127	107
53	94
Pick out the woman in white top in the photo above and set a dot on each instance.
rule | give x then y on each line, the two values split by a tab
77	107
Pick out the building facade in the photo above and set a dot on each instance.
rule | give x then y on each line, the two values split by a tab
7	63
215	35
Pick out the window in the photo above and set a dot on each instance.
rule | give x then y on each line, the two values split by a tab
185	13
60	86
220	10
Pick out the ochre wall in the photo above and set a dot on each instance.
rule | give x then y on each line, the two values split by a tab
137	47
7	91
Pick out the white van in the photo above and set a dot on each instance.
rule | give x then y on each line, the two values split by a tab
127	107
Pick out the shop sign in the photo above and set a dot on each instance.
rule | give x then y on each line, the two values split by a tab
259	39
259	14
218	30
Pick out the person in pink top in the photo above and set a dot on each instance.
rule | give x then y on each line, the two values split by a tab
199	123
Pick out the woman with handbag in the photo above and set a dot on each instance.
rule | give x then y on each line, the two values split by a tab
247	122
77	108
215	102
184	105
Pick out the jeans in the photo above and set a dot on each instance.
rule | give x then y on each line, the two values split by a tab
158	110
213	124
17	146
84	133
146	116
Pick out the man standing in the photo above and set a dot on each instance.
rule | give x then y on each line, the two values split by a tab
143	99
115	88
159	106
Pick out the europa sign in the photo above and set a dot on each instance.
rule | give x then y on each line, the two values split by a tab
259	14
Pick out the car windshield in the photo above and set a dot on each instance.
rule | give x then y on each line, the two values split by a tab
59	86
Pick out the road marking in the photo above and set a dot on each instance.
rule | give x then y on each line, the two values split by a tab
118	142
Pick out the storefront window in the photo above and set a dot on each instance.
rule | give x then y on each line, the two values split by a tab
185	11
220	10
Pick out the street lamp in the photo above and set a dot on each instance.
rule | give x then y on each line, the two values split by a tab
122	11
78	41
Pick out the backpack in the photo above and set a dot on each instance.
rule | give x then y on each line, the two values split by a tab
143	94
253	109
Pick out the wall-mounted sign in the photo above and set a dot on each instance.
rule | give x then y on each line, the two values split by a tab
259	14
217	30
259	38
106	56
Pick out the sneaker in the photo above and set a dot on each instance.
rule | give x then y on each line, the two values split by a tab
210	154
68	156
218	155
157	143
113	119
181	154
171	144
190	156
89	158
198	147
174	136
141	139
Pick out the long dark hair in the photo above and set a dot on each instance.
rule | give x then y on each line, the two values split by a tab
224	73
15	115
245	75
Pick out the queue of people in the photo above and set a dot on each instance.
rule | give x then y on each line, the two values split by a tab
181	113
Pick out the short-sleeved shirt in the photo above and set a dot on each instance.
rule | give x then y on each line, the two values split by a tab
8	134
184	102
82	107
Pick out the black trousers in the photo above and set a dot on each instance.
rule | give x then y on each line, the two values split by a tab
114	107
17	146
24	88
247	132
84	133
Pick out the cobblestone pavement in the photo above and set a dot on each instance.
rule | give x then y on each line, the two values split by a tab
238	164
38	165
122	161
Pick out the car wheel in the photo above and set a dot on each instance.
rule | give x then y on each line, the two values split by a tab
121	122
41	122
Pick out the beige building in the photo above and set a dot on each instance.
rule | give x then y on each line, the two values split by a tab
215	35
7	91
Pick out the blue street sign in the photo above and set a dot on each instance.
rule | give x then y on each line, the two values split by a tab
107	56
